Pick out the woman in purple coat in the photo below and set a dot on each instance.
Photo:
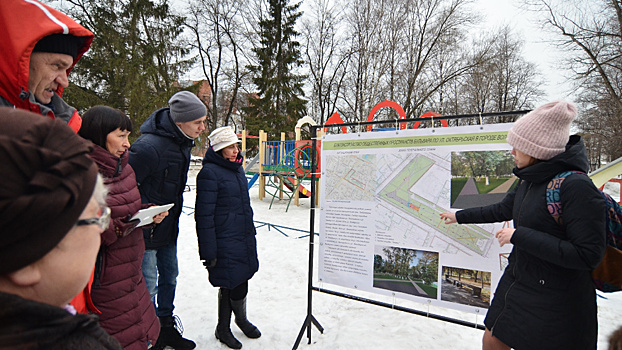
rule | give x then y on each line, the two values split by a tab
119	290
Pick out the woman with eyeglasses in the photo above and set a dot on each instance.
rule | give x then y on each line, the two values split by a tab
52	210
119	291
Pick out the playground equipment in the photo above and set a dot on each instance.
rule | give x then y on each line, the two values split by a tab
336	118
283	165
604	174
608	173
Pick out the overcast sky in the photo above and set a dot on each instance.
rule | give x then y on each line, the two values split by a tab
536	50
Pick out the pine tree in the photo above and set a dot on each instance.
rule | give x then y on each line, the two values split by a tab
135	60
279	103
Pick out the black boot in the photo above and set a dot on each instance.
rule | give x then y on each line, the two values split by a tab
170	335
239	310
223	330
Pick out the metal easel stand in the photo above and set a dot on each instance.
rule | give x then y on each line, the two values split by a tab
310	319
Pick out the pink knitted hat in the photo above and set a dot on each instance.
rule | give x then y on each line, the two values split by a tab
543	133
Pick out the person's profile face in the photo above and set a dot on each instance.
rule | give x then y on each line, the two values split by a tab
67	268
117	142
521	159
194	128
47	72
230	152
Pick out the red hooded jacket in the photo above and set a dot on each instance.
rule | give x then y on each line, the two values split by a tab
23	23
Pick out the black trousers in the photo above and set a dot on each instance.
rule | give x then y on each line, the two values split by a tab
237	293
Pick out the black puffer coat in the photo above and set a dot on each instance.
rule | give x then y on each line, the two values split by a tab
161	157
224	220
27	324
545	298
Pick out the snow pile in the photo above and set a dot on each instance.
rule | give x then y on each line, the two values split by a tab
277	300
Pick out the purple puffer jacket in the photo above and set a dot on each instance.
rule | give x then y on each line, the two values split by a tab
119	290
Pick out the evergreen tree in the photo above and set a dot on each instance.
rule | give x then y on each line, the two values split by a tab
279	103
135	60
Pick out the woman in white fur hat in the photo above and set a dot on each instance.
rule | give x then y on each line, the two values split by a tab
226	233
545	298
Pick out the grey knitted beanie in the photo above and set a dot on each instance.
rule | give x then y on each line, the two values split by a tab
544	132
186	107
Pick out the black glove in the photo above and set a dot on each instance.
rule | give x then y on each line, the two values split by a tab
210	263
122	227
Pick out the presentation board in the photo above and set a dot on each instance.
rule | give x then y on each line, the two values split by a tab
381	196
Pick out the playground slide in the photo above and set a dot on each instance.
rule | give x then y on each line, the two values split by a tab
289	181
251	162
601	175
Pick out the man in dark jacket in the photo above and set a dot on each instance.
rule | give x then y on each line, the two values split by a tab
161	158
50	43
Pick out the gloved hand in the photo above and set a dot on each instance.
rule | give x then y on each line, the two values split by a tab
210	263
123	227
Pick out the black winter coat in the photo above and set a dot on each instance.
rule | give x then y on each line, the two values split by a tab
545	298
161	158
29	325
224	221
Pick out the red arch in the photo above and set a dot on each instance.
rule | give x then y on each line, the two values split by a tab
387	103
431	115
336	119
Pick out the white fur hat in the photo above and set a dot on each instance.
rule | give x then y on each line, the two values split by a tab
222	137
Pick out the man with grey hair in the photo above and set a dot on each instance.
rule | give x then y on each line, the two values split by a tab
161	158
41	46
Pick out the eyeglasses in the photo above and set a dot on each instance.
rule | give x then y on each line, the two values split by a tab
102	221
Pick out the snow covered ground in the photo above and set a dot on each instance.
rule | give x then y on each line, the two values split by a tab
277	300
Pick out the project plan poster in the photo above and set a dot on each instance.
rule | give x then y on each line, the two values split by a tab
380	199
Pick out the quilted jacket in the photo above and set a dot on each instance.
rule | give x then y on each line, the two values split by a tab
224	221
119	291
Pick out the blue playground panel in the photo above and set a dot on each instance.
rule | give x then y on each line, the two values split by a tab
252	180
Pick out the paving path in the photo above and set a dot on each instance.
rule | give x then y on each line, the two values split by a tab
469	188
504	187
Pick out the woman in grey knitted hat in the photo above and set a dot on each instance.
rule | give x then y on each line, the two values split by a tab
545	298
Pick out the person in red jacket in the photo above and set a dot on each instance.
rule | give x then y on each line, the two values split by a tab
40	47
119	291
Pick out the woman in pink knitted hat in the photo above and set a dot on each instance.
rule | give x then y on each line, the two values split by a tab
545	298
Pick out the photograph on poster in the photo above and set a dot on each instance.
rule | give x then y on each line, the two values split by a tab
468	287
481	178
407	271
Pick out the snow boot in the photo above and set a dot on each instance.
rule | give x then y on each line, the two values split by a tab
223	329
239	310
170	335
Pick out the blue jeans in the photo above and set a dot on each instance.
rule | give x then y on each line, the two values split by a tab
160	272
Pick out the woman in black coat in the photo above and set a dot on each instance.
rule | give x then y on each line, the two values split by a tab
226	233
545	298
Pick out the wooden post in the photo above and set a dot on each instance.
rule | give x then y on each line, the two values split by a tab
243	147
281	156
262	159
